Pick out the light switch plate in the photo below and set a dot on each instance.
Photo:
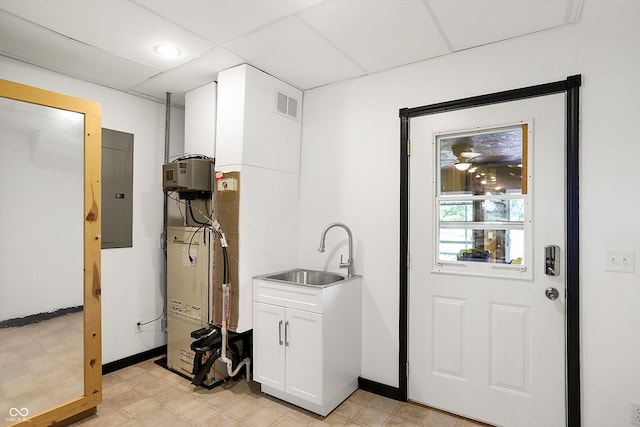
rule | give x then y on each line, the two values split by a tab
621	261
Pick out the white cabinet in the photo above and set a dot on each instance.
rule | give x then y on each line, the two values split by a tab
307	342
288	349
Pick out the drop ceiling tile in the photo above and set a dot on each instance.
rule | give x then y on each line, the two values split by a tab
378	34
193	74
469	23
119	27
294	52
39	46
223	20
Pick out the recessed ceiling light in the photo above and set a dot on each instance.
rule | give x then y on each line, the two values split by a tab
167	51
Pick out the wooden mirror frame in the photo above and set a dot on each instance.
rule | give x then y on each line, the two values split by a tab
87	404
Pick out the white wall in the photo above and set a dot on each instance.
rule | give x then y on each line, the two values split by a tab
350	173
132	286
608	58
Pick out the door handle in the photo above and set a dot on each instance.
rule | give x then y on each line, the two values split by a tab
552	293
280	332
286	329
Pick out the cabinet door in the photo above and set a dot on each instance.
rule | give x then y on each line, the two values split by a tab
304	354
268	345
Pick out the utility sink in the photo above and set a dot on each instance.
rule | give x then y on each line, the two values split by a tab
300	276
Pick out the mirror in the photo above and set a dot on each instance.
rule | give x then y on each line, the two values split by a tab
50	357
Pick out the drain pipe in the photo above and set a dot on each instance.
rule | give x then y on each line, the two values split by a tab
163	236
223	355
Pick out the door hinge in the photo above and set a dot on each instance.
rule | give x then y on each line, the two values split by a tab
408	147
407	369
408	260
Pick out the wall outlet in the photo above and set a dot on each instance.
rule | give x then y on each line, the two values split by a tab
635	414
138	326
620	261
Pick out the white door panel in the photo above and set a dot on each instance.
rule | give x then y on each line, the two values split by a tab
490	348
304	355
269	349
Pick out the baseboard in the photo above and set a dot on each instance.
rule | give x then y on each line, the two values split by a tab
132	360
35	318
380	389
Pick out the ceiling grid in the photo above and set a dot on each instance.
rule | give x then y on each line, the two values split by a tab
308	43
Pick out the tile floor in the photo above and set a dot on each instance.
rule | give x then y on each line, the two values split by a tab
41	364
149	395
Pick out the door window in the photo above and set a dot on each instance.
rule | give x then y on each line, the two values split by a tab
482	202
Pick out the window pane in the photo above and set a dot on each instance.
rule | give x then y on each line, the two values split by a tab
504	246
456	211
452	241
484	163
492	210
516	210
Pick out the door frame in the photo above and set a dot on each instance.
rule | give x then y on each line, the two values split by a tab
571	87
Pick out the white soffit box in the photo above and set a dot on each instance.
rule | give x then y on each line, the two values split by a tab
200	120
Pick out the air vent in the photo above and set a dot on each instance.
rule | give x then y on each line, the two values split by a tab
287	105
282	103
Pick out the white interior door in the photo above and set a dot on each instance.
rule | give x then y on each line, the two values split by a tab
485	341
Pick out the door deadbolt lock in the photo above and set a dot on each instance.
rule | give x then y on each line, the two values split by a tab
552	260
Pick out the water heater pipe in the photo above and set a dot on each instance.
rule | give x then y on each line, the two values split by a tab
223	355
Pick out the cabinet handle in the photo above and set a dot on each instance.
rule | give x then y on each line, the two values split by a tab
286	328
280	332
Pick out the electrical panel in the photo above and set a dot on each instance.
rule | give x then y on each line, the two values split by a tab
188	176
117	189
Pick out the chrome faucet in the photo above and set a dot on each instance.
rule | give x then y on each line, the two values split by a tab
349	264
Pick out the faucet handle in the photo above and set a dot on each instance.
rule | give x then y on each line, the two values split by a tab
344	264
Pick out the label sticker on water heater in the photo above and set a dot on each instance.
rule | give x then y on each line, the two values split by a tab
196	311
176	306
